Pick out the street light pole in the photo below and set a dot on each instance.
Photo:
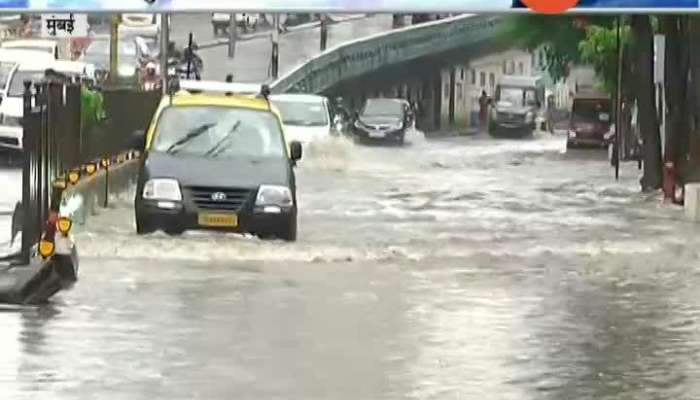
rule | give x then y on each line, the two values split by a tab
164	41
324	31
618	105
114	49
274	66
232	36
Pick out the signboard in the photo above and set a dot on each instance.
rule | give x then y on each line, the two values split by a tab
64	25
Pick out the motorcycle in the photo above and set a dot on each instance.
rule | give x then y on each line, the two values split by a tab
177	67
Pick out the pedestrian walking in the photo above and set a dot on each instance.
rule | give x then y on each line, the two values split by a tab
483	110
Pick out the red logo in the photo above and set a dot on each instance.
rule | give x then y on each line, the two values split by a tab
550	6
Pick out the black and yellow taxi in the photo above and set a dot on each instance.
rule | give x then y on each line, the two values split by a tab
215	158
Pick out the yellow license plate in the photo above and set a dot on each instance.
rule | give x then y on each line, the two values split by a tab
218	220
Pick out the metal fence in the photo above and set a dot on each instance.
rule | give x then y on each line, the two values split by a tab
56	144
51	115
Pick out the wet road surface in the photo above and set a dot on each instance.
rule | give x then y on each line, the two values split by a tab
457	268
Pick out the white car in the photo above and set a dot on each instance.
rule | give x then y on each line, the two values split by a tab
40	45
12	106
306	117
146	25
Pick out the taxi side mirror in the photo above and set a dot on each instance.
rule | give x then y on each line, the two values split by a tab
295	148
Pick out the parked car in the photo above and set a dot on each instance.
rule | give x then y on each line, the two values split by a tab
590	119
306	118
383	119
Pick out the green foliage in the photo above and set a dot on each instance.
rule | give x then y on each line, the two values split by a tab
599	49
92	108
558	36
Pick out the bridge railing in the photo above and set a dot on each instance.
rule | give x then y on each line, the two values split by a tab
352	59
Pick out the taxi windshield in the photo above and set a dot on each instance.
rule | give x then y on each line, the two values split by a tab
221	132
302	113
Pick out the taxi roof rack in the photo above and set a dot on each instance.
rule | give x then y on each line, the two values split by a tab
220	87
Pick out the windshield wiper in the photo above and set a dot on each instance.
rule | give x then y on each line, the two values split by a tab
198	131
218	148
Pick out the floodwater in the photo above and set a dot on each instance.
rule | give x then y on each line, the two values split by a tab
457	268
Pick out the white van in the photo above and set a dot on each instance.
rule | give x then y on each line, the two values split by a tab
306	117
12	106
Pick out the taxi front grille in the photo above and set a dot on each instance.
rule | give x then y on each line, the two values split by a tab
213	198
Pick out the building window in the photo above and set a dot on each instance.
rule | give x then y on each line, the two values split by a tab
461	73
473	73
521	68
492	81
482	79
511	69
459	91
505	67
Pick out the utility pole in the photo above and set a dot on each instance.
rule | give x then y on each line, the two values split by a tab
324	31
618	105
232	36
114	49
164	41
274	66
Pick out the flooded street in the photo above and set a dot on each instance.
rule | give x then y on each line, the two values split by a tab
458	268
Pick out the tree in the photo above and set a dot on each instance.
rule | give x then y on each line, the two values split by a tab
599	49
559	36
643	57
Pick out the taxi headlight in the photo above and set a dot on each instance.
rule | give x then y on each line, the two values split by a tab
162	189
273	195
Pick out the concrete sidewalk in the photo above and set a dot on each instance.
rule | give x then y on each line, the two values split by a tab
252	58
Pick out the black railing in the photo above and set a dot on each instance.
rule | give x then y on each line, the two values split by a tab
56	142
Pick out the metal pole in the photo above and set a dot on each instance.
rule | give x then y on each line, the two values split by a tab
275	46
232	36
164	40
189	56
26	175
114	49
324	31
618	105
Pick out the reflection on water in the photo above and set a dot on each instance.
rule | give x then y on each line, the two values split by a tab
449	269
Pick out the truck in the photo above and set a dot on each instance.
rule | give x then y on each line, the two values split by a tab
518	107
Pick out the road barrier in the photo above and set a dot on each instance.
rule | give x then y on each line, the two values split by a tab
67	174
